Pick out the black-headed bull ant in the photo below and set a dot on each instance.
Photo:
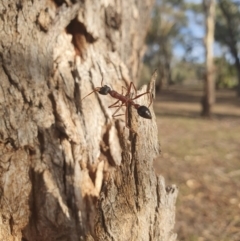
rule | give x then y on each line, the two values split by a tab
126	100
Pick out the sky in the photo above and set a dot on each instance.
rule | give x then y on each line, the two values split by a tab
197	32
194	33
196	28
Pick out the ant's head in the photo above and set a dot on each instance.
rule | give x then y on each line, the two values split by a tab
144	112
104	90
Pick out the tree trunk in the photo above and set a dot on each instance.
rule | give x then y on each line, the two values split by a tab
232	40
209	82
60	156
134	203
237	64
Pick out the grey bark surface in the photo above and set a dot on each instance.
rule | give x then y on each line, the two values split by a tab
68	171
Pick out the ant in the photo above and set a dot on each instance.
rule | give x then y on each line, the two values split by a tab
126	100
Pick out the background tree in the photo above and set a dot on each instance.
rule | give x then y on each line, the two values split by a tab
59	154
209	81
168	17
228	32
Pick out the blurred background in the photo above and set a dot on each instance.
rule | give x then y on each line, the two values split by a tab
195	45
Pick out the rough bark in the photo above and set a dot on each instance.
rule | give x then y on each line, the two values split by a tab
56	150
209	82
134	203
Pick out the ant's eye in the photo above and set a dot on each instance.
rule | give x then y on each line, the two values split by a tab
104	90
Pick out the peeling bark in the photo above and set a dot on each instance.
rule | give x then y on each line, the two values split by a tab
59	154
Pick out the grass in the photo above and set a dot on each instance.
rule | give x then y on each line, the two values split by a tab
201	156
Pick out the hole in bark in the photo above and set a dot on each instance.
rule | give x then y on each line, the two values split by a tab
59	2
105	149
19	6
41	140
80	36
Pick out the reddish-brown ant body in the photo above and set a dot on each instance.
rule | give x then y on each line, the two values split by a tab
126	100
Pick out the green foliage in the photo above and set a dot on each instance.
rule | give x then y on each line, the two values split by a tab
195	7
225	73
227	30
227	33
186	72
168	18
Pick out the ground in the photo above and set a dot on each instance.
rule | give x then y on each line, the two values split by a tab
202	157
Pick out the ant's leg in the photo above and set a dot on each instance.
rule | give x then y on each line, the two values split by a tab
129	89
123	87
134	87
114	104
136	97
126	118
126	122
115	112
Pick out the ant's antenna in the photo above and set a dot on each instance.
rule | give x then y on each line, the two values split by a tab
95	90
